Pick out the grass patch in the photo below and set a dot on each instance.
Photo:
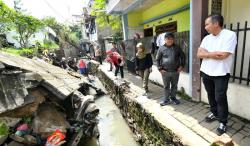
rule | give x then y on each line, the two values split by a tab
22	51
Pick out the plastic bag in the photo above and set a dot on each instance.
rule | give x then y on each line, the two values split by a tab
55	138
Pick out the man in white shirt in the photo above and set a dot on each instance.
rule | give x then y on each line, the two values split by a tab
216	51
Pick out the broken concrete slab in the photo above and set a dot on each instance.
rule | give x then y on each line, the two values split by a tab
27	139
10	122
54	77
49	92
12	92
31	103
14	143
48	119
2	66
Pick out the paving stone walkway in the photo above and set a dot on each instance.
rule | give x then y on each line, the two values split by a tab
192	115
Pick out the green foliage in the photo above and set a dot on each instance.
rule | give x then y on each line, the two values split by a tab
23	51
26	26
116	37
69	34
49	44
77	30
27	120
52	23
4	129
6	17
104	19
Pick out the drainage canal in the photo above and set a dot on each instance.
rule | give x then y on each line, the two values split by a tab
112	127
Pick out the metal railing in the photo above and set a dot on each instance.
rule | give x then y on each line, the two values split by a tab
241	64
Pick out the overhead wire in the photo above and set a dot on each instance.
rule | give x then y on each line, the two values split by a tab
55	11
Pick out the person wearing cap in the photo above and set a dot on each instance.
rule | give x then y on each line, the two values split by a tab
143	64
170	62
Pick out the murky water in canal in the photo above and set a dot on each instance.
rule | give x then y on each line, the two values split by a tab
113	129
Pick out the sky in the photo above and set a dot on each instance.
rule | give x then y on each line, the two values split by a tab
62	10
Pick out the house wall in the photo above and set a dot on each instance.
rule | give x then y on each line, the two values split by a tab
238	99
156	77
134	19
236	11
183	18
163	7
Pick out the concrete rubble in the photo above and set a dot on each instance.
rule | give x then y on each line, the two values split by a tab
37	98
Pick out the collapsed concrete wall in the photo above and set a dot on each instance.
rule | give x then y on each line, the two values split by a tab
42	98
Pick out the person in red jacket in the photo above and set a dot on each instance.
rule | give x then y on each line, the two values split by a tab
116	59
82	67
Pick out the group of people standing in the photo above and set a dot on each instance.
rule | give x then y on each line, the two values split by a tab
216	51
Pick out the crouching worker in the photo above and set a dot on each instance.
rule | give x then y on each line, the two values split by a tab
118	61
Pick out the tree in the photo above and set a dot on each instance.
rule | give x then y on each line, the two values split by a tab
77	30
26	26
6	17
104	19
64	33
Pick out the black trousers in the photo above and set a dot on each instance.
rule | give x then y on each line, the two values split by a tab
216	87
117	68
99	59
111	66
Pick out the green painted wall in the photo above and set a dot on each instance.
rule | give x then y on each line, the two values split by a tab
134	19
163	7
182	18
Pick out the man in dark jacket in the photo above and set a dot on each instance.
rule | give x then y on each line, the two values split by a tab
170	62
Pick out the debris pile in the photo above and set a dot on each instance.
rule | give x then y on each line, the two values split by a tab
41	104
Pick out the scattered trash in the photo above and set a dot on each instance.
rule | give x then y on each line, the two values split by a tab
55	103
55	139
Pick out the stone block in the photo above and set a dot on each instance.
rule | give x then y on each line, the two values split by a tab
223	141
230	122
238	137
231	131
245	141
237	126
47	120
